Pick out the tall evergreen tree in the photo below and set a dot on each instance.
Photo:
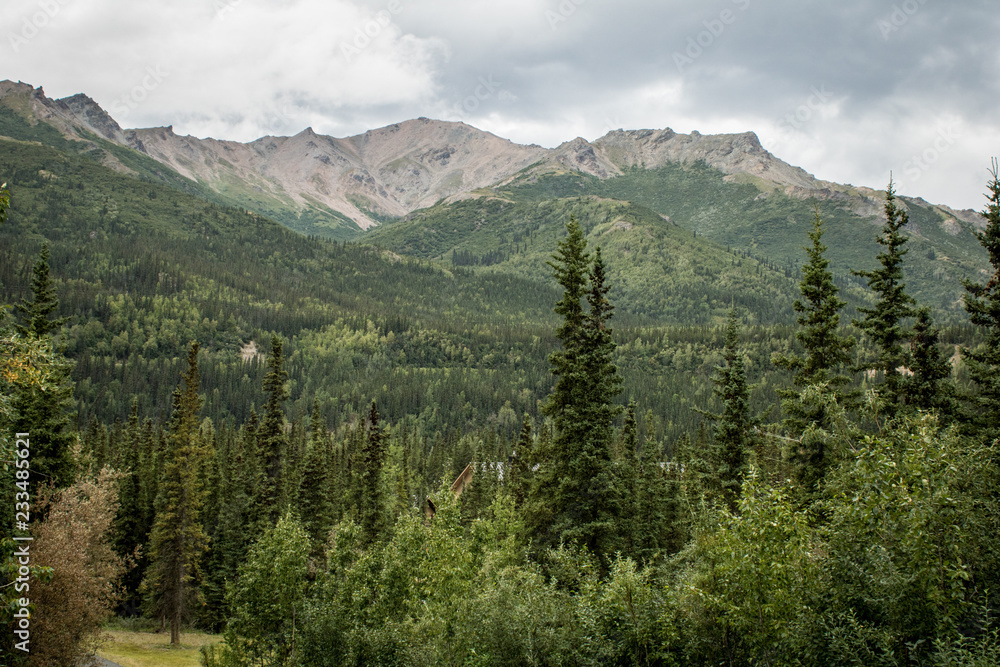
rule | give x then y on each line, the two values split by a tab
982	302
127	527
883	322
233	525
627	468
46	412
178	539
574	495
373	455
734	427
38	313
272	441
314	496
655	498
826	352
930	386
522	463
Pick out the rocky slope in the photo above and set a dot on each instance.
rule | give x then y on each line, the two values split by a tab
392	171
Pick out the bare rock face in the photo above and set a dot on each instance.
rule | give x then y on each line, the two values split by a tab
729	153
395	170
91	115
580	155
390	171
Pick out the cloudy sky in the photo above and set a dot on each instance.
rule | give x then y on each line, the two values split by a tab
848	90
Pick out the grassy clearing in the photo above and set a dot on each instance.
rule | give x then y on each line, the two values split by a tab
130	648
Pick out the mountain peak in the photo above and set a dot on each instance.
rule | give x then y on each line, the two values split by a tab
90	113
401	167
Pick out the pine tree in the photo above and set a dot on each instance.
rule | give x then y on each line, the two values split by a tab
982	302
734	427
272	442
233	526
127	527
930	386
37	313
884	321
46	412
314	495
627	468
373	455
826	353
178	539
575	497
655	498
522	463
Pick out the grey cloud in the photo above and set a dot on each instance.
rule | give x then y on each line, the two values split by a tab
890	71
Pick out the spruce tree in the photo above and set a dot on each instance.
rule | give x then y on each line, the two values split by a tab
982	302
734	427
314	495
930	387
522	463
373	457
46	412
575	497
627	468
654	498
127	527
883	322
38	313
178	539
826	352
272	442
233	525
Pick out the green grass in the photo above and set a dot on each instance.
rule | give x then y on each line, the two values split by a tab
129	648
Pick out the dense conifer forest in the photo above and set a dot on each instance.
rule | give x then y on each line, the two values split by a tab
674	452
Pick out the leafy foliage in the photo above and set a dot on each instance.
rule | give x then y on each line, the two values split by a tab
75	541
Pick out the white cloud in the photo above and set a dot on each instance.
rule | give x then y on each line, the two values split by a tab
253	67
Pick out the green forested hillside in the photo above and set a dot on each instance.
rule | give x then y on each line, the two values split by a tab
659	271
262	433
142	269
757	222
17	122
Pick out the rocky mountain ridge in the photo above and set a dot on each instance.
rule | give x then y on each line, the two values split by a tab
394	170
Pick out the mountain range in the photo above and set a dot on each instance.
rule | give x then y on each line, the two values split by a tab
406	186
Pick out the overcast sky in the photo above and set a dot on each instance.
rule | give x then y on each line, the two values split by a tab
848	90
